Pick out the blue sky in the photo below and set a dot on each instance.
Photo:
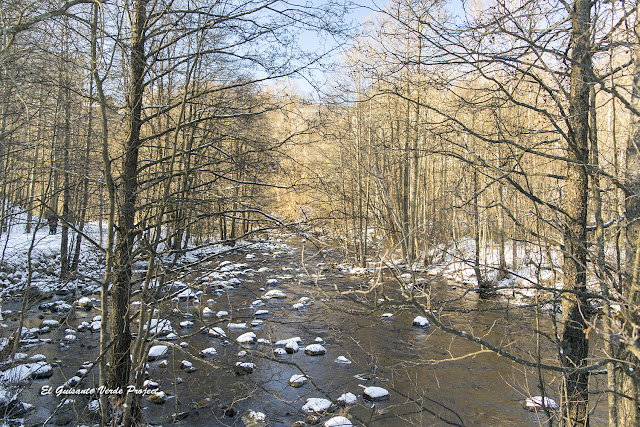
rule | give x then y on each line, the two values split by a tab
362	10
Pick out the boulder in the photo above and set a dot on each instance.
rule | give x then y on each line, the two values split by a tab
375	394
314	350
297	380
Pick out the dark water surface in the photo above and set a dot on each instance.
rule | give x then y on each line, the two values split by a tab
433	378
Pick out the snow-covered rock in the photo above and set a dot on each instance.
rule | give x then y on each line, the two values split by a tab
420	321
342	360
286	341
348	399
338	421
262	312
297	380
244	368
297	306
274	293
188	294
387	315
85	303
94	406
158	398
222	314
207	312
237	325
292	347
315	350
209	352
158	326
535	403
217	332
271	282
186	324
157	352
247	338
254	419
317	405
52	323
26	371
279	351
375	393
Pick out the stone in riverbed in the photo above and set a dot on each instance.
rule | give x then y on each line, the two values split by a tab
254	419
217	332
243	368
297	380
291	347
85	303
535	403
158	398
210	352
348	399
338	421
279	351
207	312
247	338
286	341
274	293
314	350
187	366
420	321
375	394
343	360
157	351
317	405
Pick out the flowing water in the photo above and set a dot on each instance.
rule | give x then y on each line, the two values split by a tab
433	378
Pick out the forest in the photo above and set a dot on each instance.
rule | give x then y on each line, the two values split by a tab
337	212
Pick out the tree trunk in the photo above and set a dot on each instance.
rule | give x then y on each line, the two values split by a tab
119	328
628	411
575	307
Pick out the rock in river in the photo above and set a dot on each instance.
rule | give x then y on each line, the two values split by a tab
348	399
314	350
535	403
338	422
420	321
317	405
158	398
243	368
274	293
297	380
375	393
254	419
157	351
247	338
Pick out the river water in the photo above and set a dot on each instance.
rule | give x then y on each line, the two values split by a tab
433	378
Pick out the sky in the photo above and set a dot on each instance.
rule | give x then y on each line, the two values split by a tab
364	10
